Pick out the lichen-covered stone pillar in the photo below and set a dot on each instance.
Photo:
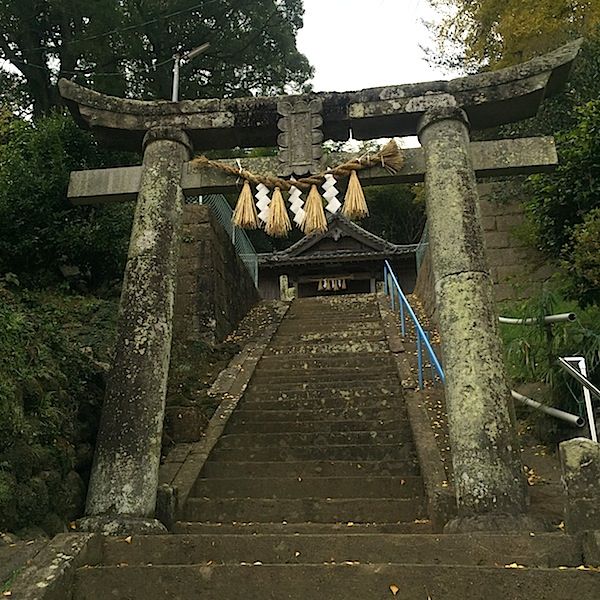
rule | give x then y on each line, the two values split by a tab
487	470
122	491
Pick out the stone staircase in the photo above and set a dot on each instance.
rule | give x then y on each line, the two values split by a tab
315	492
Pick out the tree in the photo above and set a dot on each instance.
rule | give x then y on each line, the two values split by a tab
563	206
39	230
497	33
397	213
126	47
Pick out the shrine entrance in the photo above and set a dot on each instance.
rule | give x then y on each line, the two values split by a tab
487	470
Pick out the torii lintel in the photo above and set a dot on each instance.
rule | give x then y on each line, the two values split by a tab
488	99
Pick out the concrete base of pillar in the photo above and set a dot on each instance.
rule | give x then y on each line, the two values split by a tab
120	525
496	523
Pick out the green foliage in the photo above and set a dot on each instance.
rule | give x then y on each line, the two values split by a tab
583	264
51	387
498	33
560	202
126	48
397	213
39	229
532	350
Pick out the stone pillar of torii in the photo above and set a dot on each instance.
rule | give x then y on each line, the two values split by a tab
487	473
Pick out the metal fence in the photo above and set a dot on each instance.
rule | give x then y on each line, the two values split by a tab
222	211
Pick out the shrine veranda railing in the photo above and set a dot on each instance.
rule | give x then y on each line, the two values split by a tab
424	348
239	239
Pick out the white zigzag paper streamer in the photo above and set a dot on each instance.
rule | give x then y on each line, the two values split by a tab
296	204
263	201
330	194
299	218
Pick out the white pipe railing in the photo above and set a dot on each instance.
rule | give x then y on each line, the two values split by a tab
575	420
547	320
581	376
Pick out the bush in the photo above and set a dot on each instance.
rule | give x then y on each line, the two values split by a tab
51	389
532	350
39	230
583	264
562	206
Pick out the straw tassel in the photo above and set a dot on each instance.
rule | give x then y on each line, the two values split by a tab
314	220
355	205
245	211
278	223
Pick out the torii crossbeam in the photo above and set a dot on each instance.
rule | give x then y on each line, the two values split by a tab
487	470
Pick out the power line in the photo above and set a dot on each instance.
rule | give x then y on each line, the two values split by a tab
90	70
128	27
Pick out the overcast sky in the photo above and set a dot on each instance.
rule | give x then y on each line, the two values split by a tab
355	44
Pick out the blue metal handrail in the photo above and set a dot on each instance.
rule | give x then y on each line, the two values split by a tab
393	289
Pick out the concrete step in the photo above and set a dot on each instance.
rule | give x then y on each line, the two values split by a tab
326	318
340	399
546	550
380	452
351	413
327	337
221	469
342	406
420	526
312	440
372	370
309	322
333	582
319	362
321	510
322	376
239	425
326	348
309	487
357	393
388	384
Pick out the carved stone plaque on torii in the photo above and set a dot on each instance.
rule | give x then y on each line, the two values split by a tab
486	465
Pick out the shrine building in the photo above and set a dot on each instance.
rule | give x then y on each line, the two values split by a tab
345	259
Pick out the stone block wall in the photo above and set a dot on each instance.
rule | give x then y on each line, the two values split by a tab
517	270
214	288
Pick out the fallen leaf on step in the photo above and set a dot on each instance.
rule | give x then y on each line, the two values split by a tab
257	563
350	524
7	593
128	539
514	566
394	589
296	554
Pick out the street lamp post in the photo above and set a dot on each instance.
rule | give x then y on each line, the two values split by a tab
177	59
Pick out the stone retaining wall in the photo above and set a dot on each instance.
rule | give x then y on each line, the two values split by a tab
517	270
214	288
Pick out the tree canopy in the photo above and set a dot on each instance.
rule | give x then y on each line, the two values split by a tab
125	48
497	33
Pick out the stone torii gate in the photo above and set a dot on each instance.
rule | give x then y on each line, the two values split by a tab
487	470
